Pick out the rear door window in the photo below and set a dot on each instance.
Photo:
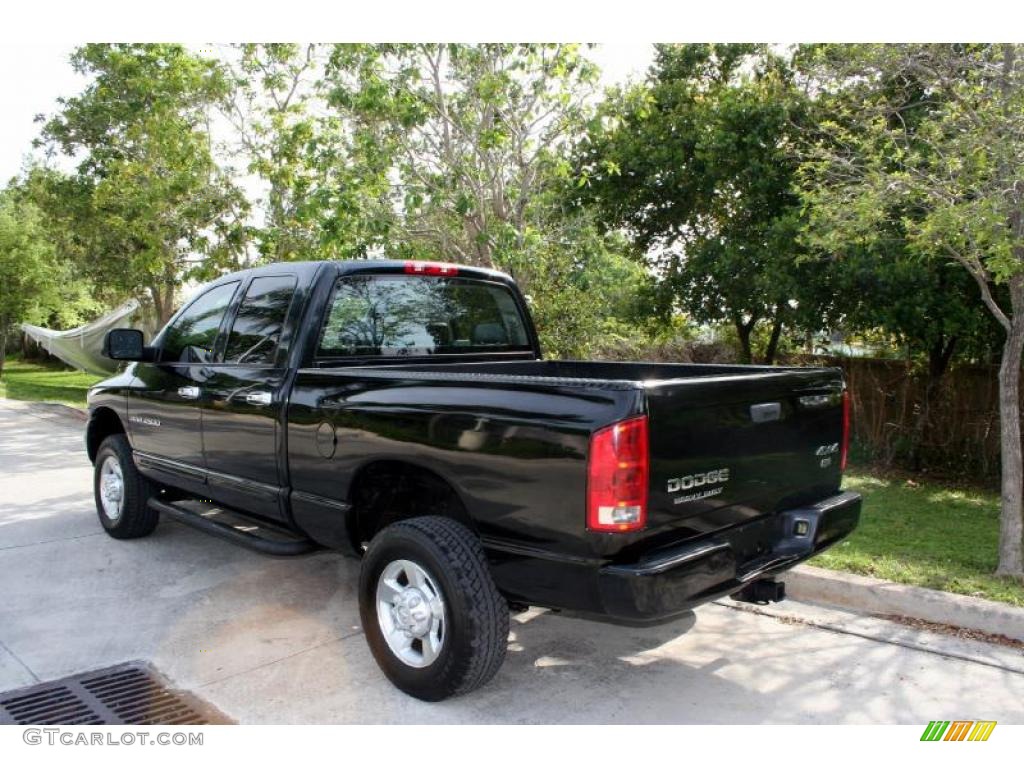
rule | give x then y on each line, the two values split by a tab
410	315
256	330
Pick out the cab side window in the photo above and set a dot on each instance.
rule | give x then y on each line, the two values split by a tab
191	337
256	330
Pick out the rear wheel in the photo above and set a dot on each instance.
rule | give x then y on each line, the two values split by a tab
122	493
435	622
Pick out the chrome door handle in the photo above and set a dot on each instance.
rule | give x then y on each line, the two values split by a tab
189	393
259	398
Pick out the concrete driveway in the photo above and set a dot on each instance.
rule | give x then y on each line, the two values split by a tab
277	640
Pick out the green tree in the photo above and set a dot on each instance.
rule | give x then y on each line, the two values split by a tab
56	196
585	289
926	306
474	137
473	132
28	287
325	190
936	129
150	206
885	285
697	166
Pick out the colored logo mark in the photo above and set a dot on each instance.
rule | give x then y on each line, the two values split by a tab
958	730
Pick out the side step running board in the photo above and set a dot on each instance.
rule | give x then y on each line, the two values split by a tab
243	531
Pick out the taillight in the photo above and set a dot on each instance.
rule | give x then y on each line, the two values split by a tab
617	477
431	268
844	449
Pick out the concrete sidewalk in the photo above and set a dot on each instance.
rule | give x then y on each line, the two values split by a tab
271	640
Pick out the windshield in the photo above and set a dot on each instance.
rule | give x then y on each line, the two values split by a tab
410	315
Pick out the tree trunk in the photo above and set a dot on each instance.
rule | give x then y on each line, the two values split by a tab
773	341
167	305
3	343
158	305
743	330
1011	524
938	363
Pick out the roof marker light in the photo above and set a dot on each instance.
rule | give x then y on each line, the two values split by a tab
431	268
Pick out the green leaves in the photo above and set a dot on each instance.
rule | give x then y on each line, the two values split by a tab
471	132
28	291
935	131
696	167
149	207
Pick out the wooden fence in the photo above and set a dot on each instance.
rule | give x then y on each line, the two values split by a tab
960	435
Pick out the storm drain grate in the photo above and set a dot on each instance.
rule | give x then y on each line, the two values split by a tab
128	694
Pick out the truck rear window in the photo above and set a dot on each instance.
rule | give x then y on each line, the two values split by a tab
409	315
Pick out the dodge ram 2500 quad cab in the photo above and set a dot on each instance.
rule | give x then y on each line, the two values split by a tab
402	412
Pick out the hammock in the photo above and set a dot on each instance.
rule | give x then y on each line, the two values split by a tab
80	347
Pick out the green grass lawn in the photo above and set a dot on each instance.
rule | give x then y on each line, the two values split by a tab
23	380
925	534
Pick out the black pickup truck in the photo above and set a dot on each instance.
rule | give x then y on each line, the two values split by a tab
401	412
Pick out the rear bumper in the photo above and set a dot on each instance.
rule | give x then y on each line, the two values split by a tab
672	581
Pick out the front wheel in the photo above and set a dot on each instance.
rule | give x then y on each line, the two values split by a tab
435	622
122	493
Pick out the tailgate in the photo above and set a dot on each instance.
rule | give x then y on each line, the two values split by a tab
728	449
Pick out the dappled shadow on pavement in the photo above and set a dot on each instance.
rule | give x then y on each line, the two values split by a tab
278	640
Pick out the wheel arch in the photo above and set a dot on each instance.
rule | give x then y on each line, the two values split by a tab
384	491
103	422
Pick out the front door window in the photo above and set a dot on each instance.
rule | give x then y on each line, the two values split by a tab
190	338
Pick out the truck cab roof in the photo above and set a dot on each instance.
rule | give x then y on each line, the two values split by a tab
307	270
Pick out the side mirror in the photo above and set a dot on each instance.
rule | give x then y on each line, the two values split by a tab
124	344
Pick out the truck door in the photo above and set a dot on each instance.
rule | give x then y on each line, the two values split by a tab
243	400
164	415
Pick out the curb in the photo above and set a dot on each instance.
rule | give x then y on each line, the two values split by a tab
867	595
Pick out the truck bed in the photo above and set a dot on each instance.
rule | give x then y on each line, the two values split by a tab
701	421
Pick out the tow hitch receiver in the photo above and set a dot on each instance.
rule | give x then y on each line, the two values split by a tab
762	592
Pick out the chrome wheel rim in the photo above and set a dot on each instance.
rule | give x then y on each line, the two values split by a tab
411	613
112	488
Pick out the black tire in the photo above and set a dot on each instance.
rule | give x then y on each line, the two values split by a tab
476	616
136	518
